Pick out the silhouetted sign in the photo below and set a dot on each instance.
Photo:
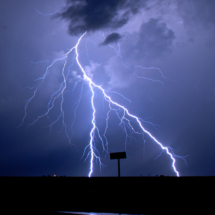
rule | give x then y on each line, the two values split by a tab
117	155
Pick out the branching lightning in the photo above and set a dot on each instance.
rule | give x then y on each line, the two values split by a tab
125	119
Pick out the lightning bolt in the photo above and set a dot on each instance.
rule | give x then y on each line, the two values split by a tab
126	119
45	14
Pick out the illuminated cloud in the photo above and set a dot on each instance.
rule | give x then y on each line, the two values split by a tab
153	41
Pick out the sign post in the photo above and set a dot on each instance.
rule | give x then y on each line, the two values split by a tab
118	155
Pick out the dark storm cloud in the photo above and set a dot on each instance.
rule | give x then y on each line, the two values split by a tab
92	15
114	37
154	38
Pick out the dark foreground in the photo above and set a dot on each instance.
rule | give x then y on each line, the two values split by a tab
129	195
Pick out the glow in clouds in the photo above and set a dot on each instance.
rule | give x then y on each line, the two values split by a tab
93	152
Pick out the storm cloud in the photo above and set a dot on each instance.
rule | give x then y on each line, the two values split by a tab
113	37
194	12
155	38
198	17
93	15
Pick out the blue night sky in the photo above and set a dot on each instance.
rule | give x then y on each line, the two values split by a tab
156	58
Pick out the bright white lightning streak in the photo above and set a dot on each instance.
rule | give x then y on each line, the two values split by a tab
26	106
92	153
108	99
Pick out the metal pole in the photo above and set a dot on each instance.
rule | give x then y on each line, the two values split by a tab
118	168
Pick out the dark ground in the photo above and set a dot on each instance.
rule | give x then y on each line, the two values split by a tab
129	195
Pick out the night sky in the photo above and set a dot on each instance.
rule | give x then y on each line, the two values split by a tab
175	98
